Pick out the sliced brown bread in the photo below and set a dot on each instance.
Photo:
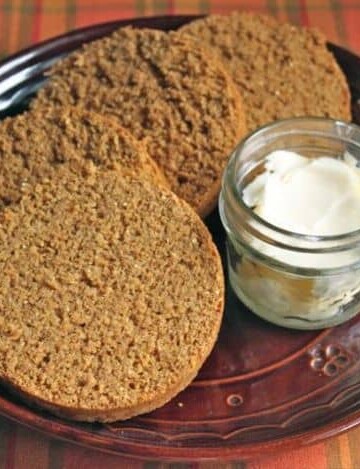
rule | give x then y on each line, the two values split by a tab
34	145
281	70
111	294
168	92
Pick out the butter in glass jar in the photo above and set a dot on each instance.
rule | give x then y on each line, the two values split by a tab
290	204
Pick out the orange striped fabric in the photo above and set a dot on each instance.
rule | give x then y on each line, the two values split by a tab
24	22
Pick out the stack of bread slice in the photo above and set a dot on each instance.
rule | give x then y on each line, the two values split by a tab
111	288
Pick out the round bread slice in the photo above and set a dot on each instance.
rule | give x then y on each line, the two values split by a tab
281	70
111	296
34	145
168	92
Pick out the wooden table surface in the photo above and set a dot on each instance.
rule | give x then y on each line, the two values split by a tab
24	22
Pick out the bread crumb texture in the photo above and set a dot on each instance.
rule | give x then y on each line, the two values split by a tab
281	70
168	92
111	296
35	145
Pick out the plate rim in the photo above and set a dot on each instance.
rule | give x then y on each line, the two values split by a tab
60	430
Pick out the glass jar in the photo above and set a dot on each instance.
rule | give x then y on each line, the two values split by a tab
293	280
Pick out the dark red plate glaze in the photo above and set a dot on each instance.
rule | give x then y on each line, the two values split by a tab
263	388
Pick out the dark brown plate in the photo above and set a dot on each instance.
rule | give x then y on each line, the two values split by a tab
263	388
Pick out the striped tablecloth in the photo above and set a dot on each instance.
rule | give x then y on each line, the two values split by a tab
23	22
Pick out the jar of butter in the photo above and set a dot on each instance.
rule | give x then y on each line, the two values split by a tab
290	204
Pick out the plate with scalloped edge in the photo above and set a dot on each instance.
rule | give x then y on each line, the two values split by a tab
248	398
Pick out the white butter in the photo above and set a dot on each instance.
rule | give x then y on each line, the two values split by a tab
307	196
